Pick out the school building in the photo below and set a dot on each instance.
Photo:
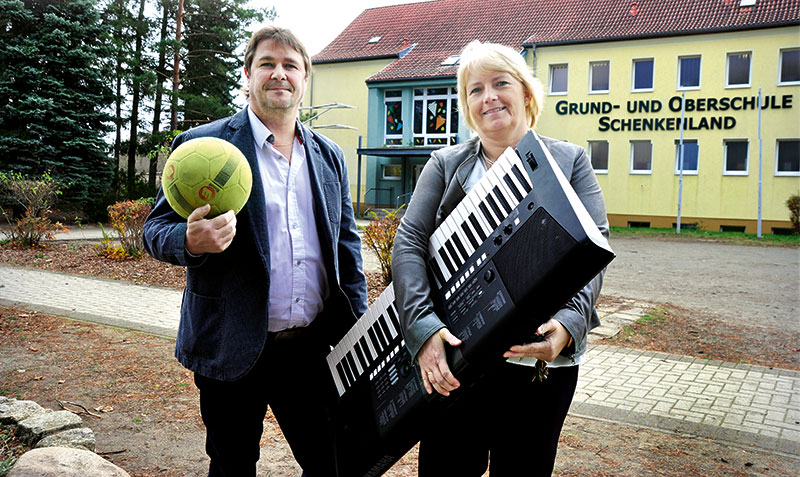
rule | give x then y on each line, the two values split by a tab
630	81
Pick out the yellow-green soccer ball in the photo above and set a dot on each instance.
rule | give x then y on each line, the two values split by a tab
207	170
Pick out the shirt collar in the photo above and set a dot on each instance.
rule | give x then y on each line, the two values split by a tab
261	132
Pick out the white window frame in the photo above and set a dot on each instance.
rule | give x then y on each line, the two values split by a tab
777	151
641	171
728	68
699	73
780	67
633	75
678	157
592	64
550	84
590	151
725	171
395	99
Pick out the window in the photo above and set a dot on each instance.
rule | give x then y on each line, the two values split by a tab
738	69
391	172
790	66
393	132
736	157
598	154
643	75
435	116
451	60
788	161
558	79
690	154
688	72
598	77
641	157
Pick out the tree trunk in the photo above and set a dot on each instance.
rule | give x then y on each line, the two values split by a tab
137	81
160	75
176	67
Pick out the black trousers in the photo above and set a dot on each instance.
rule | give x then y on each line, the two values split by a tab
508	422
292	378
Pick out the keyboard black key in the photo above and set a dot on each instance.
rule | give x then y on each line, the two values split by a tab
477	225
495	208
458	260
342	375
375	343
436	271
502	199
385	328
489	217
353	366
460	246
367	352
360	355
470	235
513	187
447	263
523	178
384	342
393	317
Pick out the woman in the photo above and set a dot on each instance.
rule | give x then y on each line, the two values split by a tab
511	417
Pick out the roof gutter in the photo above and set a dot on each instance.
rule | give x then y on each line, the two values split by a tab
760	26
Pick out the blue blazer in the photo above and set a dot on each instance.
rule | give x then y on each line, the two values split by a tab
225	309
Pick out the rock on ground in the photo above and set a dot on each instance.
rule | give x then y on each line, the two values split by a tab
64	462
82	438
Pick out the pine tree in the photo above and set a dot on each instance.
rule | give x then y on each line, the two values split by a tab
54	93
212	66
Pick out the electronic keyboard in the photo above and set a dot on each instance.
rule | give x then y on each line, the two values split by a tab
511	254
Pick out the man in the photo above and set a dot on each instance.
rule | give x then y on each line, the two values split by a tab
270	290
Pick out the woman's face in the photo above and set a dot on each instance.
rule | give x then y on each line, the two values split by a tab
496	102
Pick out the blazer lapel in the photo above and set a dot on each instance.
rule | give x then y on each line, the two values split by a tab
240	135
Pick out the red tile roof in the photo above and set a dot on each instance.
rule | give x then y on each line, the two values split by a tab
422	35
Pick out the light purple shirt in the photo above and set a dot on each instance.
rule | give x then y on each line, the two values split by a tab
298	282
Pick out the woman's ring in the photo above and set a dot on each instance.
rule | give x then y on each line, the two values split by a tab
430	375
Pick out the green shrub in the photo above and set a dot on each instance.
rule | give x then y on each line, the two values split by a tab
379	237
794	212
35	196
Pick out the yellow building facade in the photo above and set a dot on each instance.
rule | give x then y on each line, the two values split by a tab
592	100
618	80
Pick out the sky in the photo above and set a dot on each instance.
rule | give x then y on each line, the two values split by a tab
317	22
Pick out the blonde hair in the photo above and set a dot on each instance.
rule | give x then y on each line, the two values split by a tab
493	57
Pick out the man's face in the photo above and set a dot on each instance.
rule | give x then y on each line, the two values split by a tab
277	79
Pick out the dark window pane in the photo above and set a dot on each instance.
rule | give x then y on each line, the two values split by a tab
395	93
454	115
600	76
598	151
690	150
789	155
690	72
558	79
417	117
790	66
437	91
739	69
643	74
641	155
736	156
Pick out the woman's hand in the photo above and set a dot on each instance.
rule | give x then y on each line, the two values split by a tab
433	363
556	339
